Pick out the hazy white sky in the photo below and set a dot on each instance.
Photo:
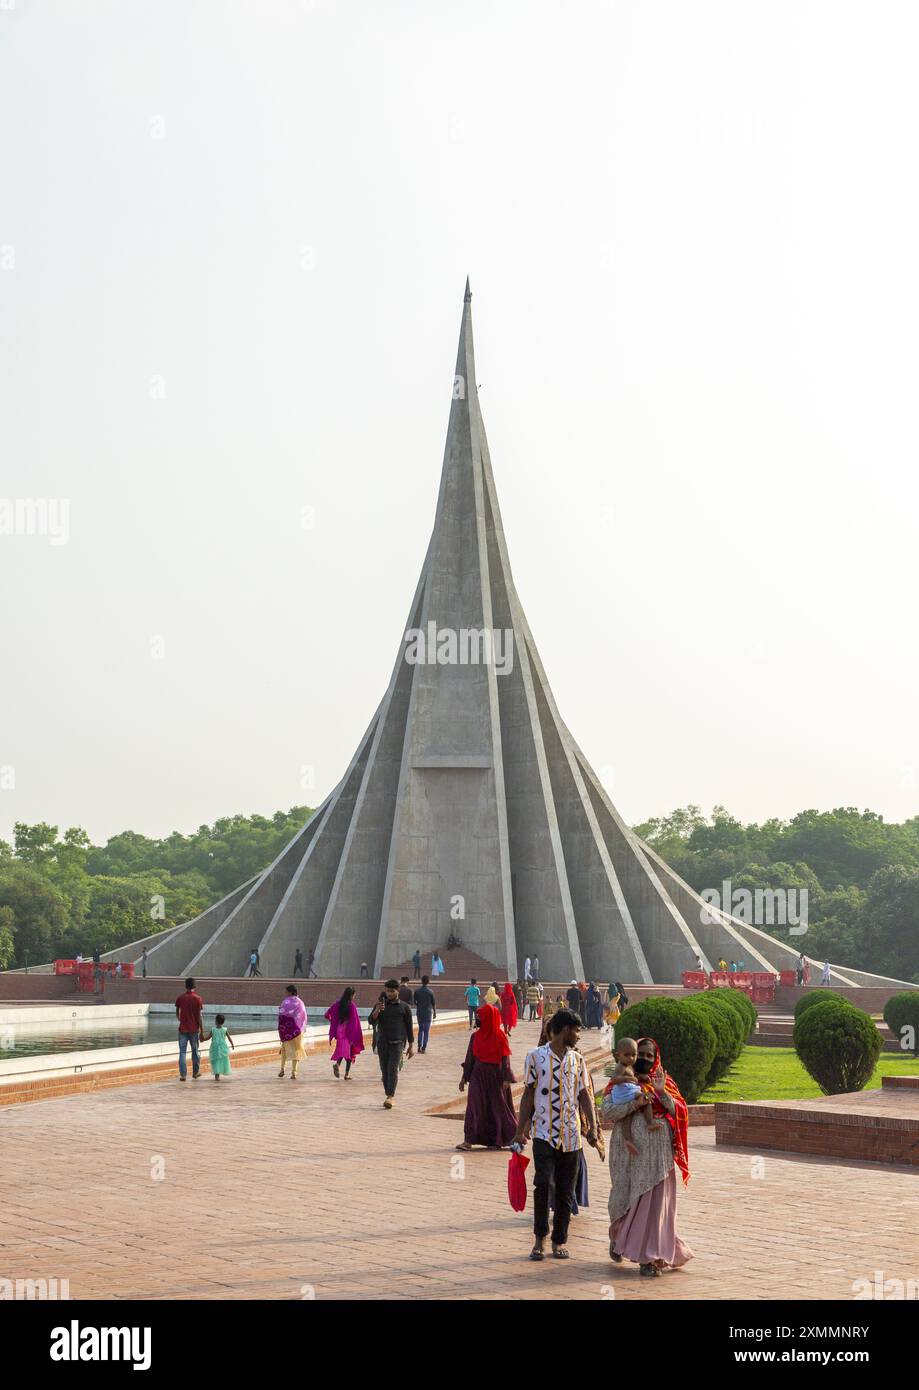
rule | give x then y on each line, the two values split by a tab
233	242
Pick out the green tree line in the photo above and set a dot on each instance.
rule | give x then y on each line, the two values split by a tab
861	873
63	895
60	895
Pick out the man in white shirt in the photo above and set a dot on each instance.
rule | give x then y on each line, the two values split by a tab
556	1094
526	971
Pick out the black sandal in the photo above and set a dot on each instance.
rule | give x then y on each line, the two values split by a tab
537	1254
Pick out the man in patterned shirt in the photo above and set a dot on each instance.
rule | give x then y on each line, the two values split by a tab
557	1092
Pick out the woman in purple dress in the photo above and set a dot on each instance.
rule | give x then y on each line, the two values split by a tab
490	1116
345	1032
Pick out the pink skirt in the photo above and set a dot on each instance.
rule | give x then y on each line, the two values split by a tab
343	1052
647	1231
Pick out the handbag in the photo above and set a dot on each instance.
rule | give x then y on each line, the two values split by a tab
516	1180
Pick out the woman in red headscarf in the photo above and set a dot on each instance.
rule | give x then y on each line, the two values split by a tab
508	1007
490	1116
642	1203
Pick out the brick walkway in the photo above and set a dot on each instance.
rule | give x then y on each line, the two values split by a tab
271	1189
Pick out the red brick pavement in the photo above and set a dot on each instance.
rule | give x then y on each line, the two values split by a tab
274	1189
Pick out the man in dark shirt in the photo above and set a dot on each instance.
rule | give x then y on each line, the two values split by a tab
416	968
405	990
188	1012
426	1011
298	961
394	1029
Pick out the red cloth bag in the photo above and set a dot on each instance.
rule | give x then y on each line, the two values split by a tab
516	1181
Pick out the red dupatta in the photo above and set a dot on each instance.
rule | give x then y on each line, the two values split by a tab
489	1041
679	1120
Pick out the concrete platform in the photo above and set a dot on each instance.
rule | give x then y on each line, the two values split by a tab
879	1126
313	1191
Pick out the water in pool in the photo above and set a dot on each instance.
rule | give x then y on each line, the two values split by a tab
88	1034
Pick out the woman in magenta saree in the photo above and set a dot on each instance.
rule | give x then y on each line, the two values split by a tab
291	1026
345	1032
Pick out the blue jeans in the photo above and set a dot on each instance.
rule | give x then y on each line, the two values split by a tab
184	1040
424	1028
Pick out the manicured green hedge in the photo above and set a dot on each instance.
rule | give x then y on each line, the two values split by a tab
699	1036
838	1044
685	1037
729	1028
900	1013
808	1000
739	1002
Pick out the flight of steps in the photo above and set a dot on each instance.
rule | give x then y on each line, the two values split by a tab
459	964
777	1030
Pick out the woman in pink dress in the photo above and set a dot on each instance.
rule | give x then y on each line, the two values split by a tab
345	1033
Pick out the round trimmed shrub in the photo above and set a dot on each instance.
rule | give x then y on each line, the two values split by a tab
816	995
737	1000
838	1044
901	1012
684	1035
728	1028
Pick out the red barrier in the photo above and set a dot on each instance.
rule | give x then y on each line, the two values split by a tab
788	977
695	979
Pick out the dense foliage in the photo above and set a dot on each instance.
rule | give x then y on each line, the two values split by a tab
684	1035
59	896
838	1044
861	874
807	1001
901	1014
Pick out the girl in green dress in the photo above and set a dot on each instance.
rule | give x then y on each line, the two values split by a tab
220	1052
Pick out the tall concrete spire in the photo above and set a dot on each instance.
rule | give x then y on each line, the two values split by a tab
468	808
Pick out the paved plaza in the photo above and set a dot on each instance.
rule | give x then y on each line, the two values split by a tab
258	1188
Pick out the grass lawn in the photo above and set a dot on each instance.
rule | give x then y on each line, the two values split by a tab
774	1073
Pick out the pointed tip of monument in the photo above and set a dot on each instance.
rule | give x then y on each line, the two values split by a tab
467	297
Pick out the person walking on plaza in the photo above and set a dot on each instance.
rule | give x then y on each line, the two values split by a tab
643	1195
825	976
298	962
534	994
806	979
416	965
406	993
188	1011
490	1119
143	964
593	1006
508	1008
345	1032
292	1019
219	1053
573	997
365	973
425	1012
394	1031
527	977
473	997
437	965
556	1096
253	964
534	968
310	971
